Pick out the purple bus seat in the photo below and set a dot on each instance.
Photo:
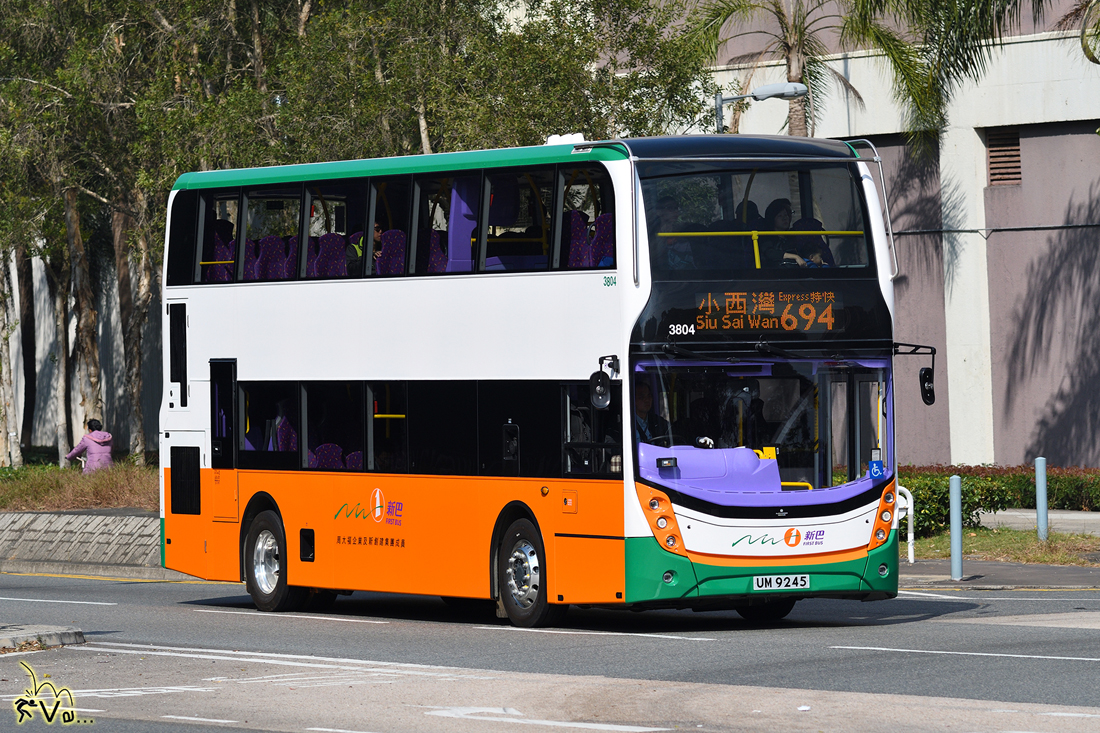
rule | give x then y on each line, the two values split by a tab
515	262
328	455
437	261
603	242
286	437
311	257
271	264
312	459
355	460
249	260
222	253
332	257
580	249
392	259
290	266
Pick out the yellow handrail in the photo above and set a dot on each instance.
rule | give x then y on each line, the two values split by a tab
797	483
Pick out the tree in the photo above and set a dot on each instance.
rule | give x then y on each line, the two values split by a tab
930	47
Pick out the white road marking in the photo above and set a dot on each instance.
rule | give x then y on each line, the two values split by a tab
198	720
494	714
405	667
967	654
1069	620
290	660
336	730
128	692
596	633
292	615
47	600
919	595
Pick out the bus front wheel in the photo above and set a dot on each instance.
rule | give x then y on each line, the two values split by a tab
521	577
265	566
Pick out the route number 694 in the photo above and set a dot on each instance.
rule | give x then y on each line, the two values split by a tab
681	329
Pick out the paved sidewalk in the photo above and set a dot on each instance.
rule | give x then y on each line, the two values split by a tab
989	575
1058	520
12	635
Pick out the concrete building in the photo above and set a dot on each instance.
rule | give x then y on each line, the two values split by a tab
998	241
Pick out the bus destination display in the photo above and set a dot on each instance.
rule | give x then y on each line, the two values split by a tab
765	310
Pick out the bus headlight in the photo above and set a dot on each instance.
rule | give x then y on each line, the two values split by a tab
886	516
662	522
671	540
880	534
888	497
654	504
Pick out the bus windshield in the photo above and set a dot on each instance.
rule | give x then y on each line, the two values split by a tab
721	431
706	220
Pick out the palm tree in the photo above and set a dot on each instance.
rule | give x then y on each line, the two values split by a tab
1086	15
939	44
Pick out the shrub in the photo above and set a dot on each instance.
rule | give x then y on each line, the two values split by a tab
992	488
49	488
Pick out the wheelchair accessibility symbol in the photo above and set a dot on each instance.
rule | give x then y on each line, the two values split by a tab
876	469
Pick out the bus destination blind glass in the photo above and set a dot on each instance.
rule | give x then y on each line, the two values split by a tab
762	311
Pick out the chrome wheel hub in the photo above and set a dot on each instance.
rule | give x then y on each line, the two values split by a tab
265	562
524	574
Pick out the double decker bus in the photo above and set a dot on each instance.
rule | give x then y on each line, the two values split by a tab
639	373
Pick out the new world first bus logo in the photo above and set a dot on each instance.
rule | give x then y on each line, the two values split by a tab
792	537
378	505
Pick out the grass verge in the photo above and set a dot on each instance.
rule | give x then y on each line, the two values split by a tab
1014	545
49	488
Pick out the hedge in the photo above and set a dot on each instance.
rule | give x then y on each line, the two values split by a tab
993	488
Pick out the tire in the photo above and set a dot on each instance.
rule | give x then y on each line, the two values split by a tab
265	569
767	612
521	577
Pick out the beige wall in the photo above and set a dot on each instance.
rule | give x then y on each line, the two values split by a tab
1044	291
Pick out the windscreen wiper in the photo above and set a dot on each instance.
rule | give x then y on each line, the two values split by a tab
764	347
675	350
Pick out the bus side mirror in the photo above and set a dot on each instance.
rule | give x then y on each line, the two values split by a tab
927	386
599	390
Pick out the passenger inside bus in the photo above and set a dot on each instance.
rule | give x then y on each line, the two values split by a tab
649	426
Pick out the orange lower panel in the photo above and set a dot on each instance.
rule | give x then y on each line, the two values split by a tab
407	534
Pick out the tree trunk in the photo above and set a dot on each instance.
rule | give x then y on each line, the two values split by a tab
387	138
59	290
796	110
87	341
25	276
7	382
303	16
425	143
258	50
133	312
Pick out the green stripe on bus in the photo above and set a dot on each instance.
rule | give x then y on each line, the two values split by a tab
647	562
535	155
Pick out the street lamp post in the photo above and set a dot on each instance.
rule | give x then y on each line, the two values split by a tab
783	90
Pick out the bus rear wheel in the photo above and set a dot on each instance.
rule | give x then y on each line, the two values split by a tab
767	612
265	566
521	577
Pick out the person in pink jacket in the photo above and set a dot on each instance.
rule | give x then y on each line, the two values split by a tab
97	443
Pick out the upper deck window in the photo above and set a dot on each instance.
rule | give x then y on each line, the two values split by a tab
712	221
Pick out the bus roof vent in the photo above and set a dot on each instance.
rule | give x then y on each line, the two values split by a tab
570	139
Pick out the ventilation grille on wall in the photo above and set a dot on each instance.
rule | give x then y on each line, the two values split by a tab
1003	148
